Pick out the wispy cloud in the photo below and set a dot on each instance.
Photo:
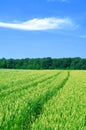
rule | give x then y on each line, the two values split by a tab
58	0
83	36
41	24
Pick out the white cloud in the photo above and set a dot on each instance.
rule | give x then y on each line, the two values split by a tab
83	36
64	0
58	0
41	24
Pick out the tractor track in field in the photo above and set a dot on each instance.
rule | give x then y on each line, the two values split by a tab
36	107
27	86
4	88
10	122
64	81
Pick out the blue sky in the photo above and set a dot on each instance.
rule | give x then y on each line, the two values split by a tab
42	28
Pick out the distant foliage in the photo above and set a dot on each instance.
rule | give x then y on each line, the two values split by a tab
44	63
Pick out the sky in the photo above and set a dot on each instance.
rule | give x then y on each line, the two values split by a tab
42	28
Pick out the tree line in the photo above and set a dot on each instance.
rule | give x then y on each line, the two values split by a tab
44	63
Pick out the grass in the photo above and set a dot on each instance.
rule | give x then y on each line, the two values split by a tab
42	100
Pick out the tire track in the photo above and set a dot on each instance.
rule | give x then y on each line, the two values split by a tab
27	86
11	121
33	110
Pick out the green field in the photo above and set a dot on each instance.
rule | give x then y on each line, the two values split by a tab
42	100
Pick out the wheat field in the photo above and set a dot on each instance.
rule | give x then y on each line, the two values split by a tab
42	100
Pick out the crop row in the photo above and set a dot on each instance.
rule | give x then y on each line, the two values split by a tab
18	101
42	100
67	109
